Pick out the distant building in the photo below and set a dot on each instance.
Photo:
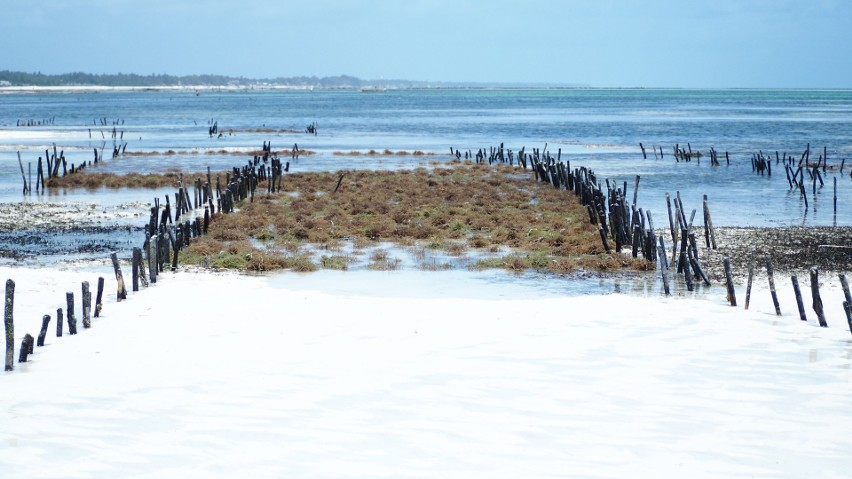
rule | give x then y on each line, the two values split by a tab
5	83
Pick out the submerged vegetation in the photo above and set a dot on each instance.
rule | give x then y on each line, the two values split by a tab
93	180
517	224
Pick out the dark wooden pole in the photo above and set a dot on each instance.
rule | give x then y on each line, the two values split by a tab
99	299
72	321
771	274
729	281
9	322
26	348
58	322
45	322
121	292
662	253
87	306
845	285
152	259
136	259
799	303
748	287
817	301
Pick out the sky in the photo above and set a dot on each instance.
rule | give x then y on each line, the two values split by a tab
601	43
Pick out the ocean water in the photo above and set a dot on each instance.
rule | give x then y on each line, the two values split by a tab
600	129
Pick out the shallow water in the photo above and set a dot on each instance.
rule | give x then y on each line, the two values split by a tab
599	129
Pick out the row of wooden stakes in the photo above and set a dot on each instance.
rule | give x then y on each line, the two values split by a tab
28	342
817	303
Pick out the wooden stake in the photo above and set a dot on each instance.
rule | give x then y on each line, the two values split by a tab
845	286
662	253
799	303
771	274
9	322
87	305
26	348
748	288
136	260
45	321
98	301
72	321
729	281
121	291
817	301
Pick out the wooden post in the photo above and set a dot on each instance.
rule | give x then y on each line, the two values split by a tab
58	322
817	301
152	259
72	321
847	307
636	190
799	303
708	224
771	274
121	291
26	186
98	301
729	281
87	305
604	241
45	322
26	348
748	287
662	253
845	286
136	260
9	322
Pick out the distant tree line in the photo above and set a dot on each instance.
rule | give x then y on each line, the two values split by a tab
16	78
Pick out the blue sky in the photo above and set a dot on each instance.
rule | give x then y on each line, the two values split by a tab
603	43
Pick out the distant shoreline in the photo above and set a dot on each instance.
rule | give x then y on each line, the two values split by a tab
37	89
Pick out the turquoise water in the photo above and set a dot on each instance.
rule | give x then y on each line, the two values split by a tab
600	129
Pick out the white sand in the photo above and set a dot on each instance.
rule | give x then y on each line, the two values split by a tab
224	376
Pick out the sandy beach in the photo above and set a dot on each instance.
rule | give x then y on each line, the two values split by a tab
419	374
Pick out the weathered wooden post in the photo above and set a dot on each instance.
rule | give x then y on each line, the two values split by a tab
72	321
847	307
748	287
87	306
152	259
799	303
771	274
99	299
845	286
709	232
817	301
58	322
729	281
26	348
9	322
45	321
136	260
662	254
121	292
604	241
